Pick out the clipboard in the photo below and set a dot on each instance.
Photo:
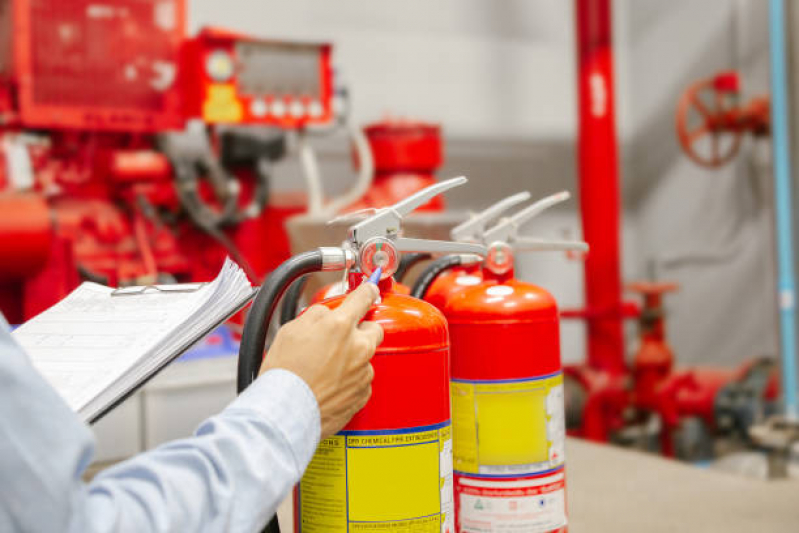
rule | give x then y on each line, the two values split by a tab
191	343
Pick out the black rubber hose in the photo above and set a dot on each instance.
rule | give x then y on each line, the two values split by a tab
253	337
291	301
407	262
431	272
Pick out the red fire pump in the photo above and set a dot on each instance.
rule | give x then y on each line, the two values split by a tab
507	389
723	120
91	187
406	156
392	464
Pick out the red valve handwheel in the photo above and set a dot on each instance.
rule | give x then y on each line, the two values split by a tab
719	121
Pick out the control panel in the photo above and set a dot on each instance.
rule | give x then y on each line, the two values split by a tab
235	79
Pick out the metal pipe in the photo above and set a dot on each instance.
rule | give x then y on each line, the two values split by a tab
599	185
783	212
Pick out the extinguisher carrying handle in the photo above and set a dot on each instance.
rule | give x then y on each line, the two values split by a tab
508	229
387	221
438	267
474	228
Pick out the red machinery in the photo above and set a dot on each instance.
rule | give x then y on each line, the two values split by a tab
391	466
86	92
406	157
723	120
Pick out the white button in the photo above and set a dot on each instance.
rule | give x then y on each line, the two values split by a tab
296	109
258	108
278	108
315	109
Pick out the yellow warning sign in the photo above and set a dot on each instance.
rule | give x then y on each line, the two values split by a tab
398	481
508	427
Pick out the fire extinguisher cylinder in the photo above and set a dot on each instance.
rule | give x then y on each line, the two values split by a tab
393	461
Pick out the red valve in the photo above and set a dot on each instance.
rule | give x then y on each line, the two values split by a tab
716	138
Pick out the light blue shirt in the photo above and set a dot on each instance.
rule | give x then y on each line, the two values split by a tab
230	476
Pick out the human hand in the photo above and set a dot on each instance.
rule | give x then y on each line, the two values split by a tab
331	352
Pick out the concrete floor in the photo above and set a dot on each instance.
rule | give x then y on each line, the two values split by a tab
620	491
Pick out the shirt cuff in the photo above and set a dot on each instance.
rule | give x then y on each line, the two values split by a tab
285	401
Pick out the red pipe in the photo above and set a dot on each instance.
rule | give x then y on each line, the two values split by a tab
599	185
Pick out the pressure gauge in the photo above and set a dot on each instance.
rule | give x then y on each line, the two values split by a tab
219	66
500	258
379	252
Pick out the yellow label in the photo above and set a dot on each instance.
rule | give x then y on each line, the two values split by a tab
221	104
398	481
508	427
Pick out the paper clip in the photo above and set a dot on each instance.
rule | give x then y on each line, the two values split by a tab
164	289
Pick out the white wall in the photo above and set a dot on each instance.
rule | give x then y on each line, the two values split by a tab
718	221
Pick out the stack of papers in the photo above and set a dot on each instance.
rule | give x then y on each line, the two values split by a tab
100	344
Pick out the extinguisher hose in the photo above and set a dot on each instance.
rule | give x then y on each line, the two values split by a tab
253	337
291	301
407	262
431	272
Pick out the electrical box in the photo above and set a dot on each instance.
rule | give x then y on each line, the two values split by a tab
235	79
111	65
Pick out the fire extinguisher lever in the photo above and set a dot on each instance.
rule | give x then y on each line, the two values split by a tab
507	230
386	222
473	229
404	244
378	241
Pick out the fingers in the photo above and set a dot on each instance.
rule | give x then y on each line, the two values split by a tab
358	302
315	312
373	332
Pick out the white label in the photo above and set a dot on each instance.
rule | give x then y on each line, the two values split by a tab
499	290
447	494
534	506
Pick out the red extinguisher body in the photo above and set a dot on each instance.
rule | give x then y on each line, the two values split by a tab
507	405
451	282
332	290
391	466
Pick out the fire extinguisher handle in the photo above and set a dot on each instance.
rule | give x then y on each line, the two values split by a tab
508	228
386	222
474	227
405	244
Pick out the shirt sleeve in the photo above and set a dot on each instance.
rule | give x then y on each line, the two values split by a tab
230	476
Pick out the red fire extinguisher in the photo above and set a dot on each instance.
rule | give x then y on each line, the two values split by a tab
507	391
392	464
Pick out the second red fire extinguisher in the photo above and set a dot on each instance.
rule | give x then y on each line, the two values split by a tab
507	391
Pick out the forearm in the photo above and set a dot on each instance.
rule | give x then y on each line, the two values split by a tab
230	477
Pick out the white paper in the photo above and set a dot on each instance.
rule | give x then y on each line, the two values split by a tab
94	347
